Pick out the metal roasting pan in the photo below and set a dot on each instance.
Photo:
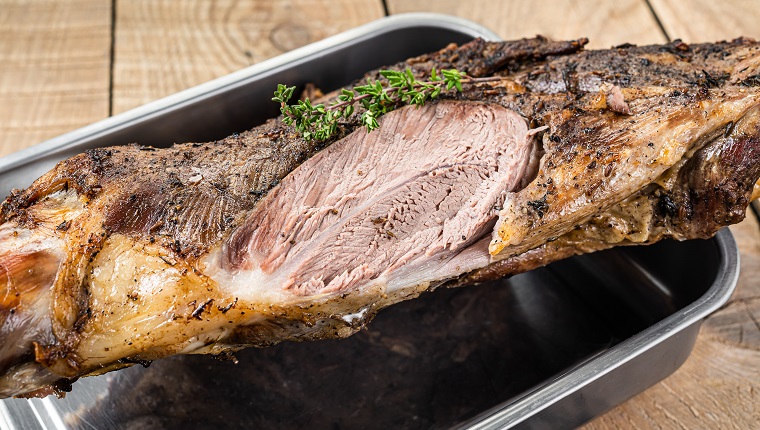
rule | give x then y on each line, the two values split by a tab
552	348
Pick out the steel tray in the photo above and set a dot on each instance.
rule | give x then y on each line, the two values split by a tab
551	348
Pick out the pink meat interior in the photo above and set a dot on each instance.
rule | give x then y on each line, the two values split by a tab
411	202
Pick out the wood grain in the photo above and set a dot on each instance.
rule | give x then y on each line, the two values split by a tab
55	60
605	23
708	20
166	46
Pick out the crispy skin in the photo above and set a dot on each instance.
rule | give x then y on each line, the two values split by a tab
679	98
638	144
582	176
481	58
707	186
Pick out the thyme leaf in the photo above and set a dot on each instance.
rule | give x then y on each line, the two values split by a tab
320	122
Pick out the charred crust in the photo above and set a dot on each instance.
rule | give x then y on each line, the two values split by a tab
134	360
201	308
99	159
677	47
482	58
715	80
14	205
58	388
226	355
84	316
60	357
498	56
625	46
751	81
675	64
667	206
63	386
539	207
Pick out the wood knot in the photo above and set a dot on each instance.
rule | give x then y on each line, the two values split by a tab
289	36
737	324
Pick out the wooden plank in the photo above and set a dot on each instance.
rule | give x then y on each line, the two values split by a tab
55	60
708	20
166	46
605	23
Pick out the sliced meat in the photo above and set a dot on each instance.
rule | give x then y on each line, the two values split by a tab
407	199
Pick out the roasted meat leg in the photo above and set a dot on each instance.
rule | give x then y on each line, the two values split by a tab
129	254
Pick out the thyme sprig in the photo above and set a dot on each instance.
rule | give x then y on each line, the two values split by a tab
317	121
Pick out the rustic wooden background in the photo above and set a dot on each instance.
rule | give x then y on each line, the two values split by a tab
65	64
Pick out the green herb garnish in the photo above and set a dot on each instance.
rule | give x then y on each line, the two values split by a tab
320	122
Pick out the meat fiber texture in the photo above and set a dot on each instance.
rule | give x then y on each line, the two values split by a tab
129	254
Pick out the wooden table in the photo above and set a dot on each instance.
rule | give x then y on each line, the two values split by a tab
65	64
